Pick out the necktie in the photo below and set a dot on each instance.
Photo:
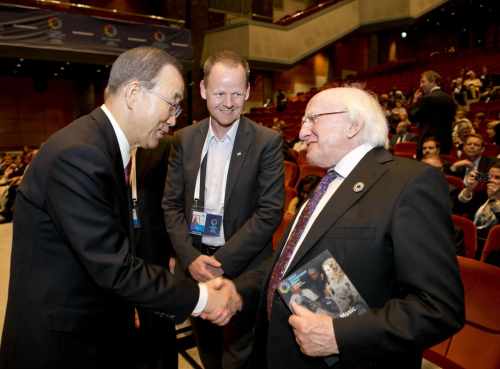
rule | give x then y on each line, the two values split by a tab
280	266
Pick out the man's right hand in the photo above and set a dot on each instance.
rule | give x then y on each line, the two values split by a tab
470	180
205	268
223	301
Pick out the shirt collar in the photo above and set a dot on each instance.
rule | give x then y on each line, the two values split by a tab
435	88
231	134
345	166
120	136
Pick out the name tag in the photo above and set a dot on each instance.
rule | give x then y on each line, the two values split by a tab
213	225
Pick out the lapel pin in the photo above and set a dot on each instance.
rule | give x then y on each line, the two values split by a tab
238	153
358	187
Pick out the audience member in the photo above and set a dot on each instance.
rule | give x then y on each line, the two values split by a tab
482	206
471	158
462	129
473	85
402	134
434	112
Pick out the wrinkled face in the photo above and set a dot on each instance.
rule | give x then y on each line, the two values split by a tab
225	91
493	186
429	148
157	107
326	136
425	84
473	147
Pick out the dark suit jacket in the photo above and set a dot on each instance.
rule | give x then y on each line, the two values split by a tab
253	200
483	167
408	137
435	114
394	241
152	242
73	268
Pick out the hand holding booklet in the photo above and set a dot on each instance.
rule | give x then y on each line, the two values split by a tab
322	287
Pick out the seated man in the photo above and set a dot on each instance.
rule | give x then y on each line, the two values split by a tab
402	134
430	152
483	207
471	158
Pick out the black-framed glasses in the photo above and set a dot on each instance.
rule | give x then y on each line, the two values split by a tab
174	109
313	117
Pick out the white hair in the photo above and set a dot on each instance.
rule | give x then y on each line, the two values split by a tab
362	106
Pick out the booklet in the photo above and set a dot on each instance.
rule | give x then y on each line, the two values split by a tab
322	287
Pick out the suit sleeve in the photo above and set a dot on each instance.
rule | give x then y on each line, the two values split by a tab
428	303
250	239
81	200
173	204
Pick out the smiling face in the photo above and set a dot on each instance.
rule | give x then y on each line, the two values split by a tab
328	136
155	115
225	91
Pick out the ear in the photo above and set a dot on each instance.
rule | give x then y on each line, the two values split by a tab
354	128
247	93
203	91
132	93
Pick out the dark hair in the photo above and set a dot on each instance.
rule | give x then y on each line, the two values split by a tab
142	64
432	76
227	57
432	138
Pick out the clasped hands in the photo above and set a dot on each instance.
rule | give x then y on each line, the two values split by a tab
223	299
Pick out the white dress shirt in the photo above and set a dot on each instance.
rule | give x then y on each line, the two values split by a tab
125	154
218	153
343	168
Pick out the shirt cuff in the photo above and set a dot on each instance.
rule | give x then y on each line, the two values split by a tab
202	300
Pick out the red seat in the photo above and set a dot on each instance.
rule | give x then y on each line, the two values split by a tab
490	150
455	182
492	243
470	234
290	193
278	233
405	149
477	344
291	173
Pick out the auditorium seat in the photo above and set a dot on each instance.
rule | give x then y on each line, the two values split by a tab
278	234
456	182
309	170
405	149
470	234
491	244
291	173
477	344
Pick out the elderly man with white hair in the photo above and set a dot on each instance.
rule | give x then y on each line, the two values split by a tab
386	221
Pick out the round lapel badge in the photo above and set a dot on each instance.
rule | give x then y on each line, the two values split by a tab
358	187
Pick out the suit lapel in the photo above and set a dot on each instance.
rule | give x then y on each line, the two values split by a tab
368	171
243	138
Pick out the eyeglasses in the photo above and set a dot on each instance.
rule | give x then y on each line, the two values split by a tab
313	117
174	109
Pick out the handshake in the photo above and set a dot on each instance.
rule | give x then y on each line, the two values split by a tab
223	301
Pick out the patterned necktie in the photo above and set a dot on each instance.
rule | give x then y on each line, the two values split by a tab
280	266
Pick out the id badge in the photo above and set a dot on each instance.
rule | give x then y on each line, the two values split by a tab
198	219
213	224
135	218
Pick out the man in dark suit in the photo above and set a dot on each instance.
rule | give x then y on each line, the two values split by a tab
471	158
155	347
434	112
402	134
386	220
227	173
74	269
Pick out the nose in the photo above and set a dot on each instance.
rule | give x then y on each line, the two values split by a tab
228	102
305	131
171	120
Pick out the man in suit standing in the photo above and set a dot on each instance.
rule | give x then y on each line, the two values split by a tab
155	347
386	220
223	198
434	112
74	268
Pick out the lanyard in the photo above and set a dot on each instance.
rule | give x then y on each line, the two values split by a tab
133	187
204	155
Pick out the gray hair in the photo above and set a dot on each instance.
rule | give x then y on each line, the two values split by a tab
141	64
363	106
